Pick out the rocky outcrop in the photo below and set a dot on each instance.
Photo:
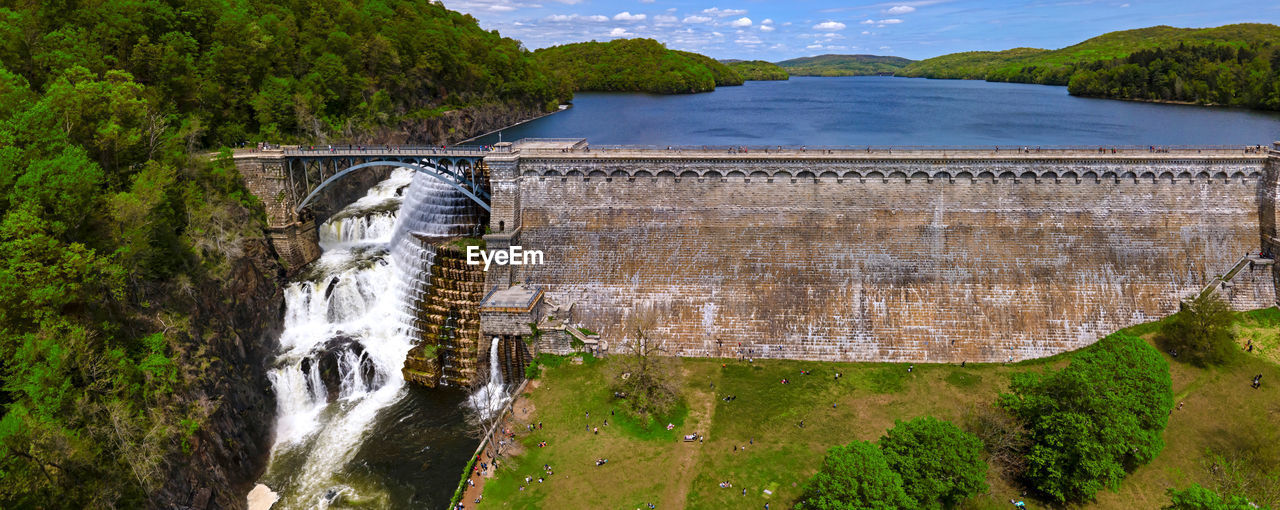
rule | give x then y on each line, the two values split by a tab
232	336
457	125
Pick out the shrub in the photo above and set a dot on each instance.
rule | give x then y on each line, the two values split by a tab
1196	497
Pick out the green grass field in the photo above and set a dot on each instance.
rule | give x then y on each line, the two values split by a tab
1222	416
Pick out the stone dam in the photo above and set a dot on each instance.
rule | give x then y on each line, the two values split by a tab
903	254
923	255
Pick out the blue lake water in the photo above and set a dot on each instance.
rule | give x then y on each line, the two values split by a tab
893	111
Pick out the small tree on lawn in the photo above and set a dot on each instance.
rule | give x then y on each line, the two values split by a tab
1201	332
854	476
940	464
646	378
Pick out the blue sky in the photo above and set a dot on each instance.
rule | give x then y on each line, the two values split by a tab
772	30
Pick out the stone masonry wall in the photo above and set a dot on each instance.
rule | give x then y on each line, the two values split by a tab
929	260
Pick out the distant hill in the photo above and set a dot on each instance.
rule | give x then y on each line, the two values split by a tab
969	65
758	70
1237	65
843	65
635	65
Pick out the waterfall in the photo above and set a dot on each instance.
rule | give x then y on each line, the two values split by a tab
348	326
491	397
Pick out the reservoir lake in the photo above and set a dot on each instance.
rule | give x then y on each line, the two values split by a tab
874	110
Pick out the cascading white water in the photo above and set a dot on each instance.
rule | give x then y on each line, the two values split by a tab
491	397
347	330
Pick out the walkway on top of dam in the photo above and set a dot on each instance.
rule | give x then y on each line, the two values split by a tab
580	150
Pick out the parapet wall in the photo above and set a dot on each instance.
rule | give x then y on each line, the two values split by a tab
904	257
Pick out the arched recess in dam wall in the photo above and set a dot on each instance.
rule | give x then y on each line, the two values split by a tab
938	261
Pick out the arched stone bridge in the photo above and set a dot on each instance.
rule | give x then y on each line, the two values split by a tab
290	179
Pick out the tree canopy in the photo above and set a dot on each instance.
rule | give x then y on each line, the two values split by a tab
635	65
940	464
759	70
1092	421
855	476
1201	331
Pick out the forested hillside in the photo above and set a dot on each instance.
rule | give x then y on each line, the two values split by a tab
843	65
1229	65
635	65
758	70
133	275
968	65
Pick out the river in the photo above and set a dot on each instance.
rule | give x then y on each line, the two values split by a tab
873	110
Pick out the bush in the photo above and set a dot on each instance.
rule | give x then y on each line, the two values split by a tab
1201	332
855	475
1091	421
940	464
1196	497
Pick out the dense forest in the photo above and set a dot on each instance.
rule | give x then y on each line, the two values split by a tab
635	65
114	221
758	70
1205	73
1230	65
843	65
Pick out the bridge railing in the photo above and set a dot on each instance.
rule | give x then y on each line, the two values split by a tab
994	149
401	150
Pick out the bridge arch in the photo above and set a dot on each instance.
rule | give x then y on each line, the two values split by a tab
445	175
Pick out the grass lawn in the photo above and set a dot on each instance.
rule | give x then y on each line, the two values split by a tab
1221	415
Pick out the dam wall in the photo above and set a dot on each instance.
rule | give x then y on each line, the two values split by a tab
926	256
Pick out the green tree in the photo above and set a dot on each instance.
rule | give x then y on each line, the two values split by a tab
854	476
940	464
1095	419
1196	497
1201	331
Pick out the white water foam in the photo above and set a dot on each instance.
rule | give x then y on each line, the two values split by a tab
351	322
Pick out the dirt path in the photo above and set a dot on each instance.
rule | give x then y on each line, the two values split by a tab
702	406
521	413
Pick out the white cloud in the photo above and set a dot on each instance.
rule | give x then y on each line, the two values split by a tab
741	22
767	21
562	18
900	9
1122	6
717	34
665	19
832	35
696	19
868	22
723	13
619	32
766	28
646	1
627	16
864	32
748	39
828	26
814	46
891	21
